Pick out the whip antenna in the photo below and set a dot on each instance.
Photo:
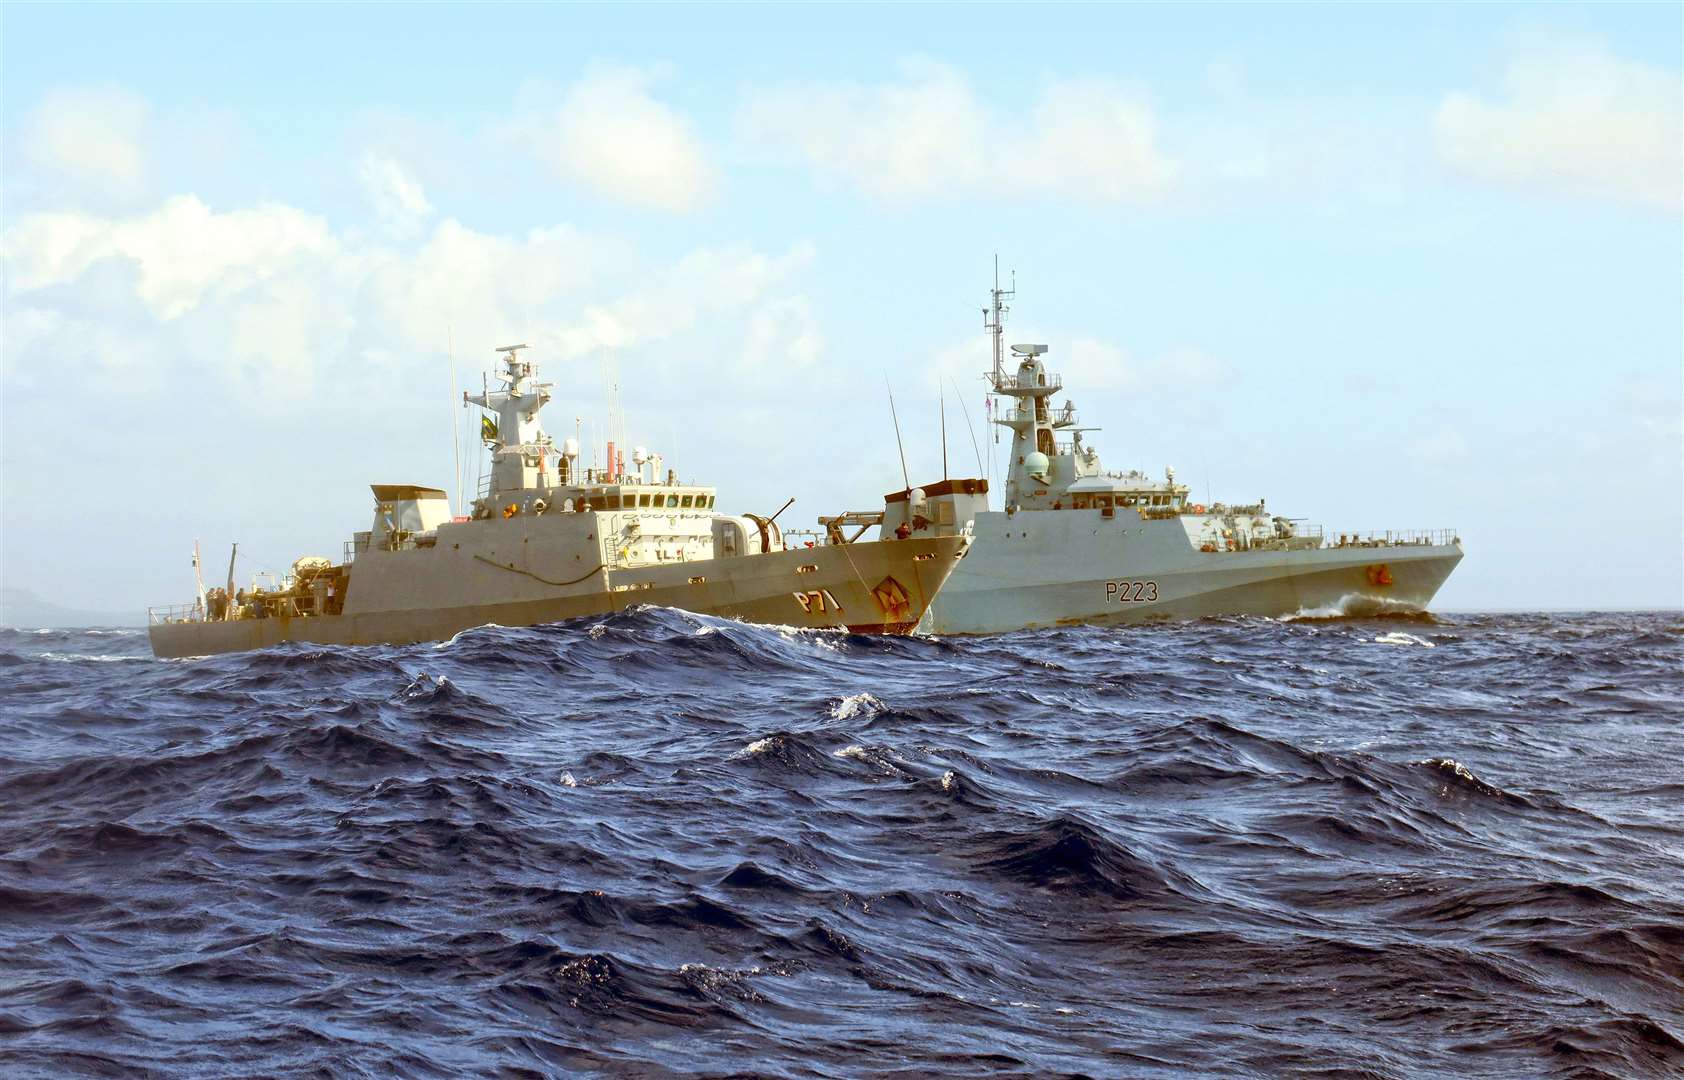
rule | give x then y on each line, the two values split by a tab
892	415
976	448
455	424
942	396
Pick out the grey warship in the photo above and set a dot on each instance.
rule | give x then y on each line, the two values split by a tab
548	540
1077	543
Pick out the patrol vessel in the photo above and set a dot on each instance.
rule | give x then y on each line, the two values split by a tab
1077	543
548	539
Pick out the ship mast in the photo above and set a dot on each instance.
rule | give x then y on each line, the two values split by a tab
520	446
994	320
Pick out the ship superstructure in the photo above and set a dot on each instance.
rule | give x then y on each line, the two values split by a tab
547	539
1075	542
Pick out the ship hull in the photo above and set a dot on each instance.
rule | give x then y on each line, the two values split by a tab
872	588
1041	569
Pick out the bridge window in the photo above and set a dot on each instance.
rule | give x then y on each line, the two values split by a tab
685	502
672	501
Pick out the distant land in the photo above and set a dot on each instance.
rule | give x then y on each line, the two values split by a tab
22	609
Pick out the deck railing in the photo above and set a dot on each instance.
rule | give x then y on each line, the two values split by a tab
1047	381
1313	536
1395	538
174	613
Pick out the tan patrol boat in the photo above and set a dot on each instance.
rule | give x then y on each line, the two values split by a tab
548	540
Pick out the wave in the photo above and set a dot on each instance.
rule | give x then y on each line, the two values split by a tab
1070	856
1361	606
651	843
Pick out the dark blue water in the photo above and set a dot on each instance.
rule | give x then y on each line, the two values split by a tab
655	844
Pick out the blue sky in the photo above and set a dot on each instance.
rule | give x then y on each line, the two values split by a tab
1390	267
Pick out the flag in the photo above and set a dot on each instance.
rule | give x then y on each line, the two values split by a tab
487	429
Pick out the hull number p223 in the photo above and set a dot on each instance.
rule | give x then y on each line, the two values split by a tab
1131	592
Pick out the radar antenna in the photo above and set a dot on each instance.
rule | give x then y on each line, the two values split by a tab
511	360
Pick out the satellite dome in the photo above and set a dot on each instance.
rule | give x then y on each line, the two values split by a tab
1036	465
570	448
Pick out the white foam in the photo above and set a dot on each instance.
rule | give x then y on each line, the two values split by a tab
567	780
854	704
1398	637
1454	766
827	638
760	746
453	637
949	780
1355	604
857	752
77	658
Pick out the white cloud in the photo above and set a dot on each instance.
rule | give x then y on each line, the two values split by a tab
1576	121
929	136
91	138
181	251
270	296
395	194
609	135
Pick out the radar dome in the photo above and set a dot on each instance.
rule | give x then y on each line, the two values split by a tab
1036	465
570	448
639	455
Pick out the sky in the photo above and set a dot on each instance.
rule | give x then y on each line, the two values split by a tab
1398	267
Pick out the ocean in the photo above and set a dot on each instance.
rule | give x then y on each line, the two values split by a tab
658	844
